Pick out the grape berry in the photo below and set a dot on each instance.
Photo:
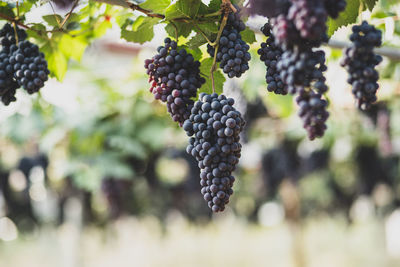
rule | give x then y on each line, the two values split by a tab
214	126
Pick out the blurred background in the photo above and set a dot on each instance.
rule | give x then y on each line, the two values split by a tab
93	172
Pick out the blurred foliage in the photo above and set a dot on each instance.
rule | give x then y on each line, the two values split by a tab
110	144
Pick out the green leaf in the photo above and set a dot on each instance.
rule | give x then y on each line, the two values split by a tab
157	6
25	6
183	9
189	7
173	12
370	3
101	28
194	51
6	9
208	27
382	14
345	18
32	32
141	30
56	60
184	29
214	6
196	41
53	20
72	47
248	36
219	78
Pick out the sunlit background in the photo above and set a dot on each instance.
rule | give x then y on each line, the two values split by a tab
93	172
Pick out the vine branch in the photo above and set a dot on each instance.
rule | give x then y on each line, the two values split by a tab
69	13
148	13
14	20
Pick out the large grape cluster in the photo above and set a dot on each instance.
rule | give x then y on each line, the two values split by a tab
175	79
270	53
300	69
334	7
297	32
214	126
21	64
360	62
232	52
313	112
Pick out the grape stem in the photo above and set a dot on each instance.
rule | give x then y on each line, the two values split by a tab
360	10
17	10
227	7
16	33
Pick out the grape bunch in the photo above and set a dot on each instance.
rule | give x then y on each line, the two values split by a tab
29	65
334	7
175	79
232	52
21	64
360	62
313	112
300	69
214	126
270	53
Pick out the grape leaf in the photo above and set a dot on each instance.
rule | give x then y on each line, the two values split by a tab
101	28
184	29
189	7
370	3
219	78
72	47
53	20
345	18
248	36
6	10
214	5
25	6
196	41
208	28
56	60
195	51
173	12
183	9
141	29
157	6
